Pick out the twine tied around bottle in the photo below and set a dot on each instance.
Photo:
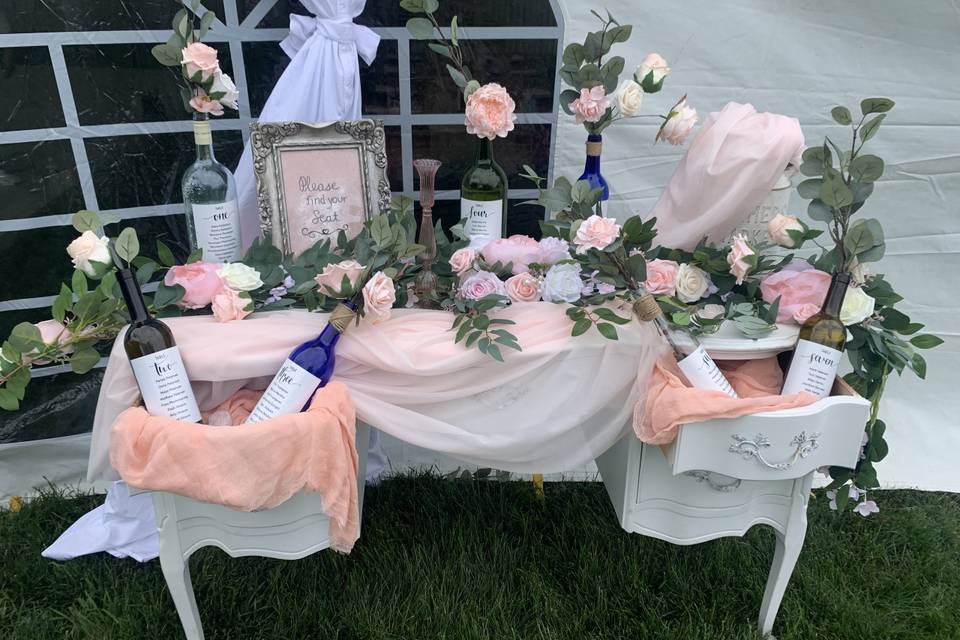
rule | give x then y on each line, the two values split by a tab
646	308
341	317
594	148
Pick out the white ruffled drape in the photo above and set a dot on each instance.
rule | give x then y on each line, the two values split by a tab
321	83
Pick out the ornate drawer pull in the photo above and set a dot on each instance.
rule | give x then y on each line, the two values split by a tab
752	448
722	487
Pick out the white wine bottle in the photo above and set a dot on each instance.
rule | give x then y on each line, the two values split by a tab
694	361
210	193
483	198
819	349
155	358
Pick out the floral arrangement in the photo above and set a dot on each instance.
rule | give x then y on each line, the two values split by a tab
205	88
597	98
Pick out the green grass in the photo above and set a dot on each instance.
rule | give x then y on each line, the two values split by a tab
463	559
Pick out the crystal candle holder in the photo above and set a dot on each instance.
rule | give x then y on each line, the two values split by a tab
426	282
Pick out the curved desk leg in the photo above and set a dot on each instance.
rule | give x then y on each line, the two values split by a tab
176	569
789	544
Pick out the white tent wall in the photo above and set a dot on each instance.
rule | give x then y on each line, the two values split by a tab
800	59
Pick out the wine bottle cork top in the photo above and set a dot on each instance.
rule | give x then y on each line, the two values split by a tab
646	308
594	148
341	317
201	132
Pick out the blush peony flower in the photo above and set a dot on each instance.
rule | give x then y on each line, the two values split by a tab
692	283
553	250
205	104
591	105
489	112
379	294
630	98
480	285
229	305
240	277
523	287
739	258
330	280
517	249
596	232
797	285
779	229
654	63
804	312
200	57
89	248
661	277
562	283
679	123
222	83
462	260
200	282
858	305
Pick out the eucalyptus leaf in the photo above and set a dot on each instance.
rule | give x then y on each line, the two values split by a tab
841	115
25	337
84	360
453	29
420	28
86	221
573	54
866	168
205	22
834	192
818	210
127	245
458	78
810	189
869	128
875	105
926	341
168	295
441	49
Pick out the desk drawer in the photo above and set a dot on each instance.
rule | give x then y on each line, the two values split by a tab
776	445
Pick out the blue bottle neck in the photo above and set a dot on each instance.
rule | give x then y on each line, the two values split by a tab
592	164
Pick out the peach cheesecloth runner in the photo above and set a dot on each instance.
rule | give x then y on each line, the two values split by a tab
249	467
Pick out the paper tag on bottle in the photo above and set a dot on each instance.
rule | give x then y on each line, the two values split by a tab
813	369
484	220
290	390
165	386
218	231
702	372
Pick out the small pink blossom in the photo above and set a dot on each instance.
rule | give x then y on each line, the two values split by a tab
738	258
200	57
330	280
866	507
200	282
205	104
523	287
518	250
51	333
229	305
490	112
482	284
462	260
591	105
379	294
661	277
596	232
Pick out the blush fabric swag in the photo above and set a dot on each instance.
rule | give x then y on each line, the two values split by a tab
321	83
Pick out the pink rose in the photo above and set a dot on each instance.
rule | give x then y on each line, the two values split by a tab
199	280
229	305
553	250
739	258
331	278
379	294
591	105
199	57
480	285
596	232
523	288
518	250
801	290
489	112
462	260
679	123
51	333
662	277
204	104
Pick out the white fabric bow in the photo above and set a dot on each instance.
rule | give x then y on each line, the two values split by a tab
341	30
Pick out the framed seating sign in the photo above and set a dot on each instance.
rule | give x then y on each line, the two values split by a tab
316	180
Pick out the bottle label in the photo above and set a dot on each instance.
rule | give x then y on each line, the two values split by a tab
484	220
165	386
290	390
813	369
218	230
702	372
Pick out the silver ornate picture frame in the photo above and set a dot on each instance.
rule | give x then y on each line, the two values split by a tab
314	180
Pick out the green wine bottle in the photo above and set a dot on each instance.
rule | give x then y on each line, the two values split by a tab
819	349
483	198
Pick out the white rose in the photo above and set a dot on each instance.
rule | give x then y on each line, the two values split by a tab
562	283
692	283
653	62
780	227
89	248
630	98
857	306
679	123
223	84
240	277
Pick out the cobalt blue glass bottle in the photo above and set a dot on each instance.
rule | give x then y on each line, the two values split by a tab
591	170
307	367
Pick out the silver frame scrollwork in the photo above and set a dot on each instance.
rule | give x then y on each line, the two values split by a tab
268	139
